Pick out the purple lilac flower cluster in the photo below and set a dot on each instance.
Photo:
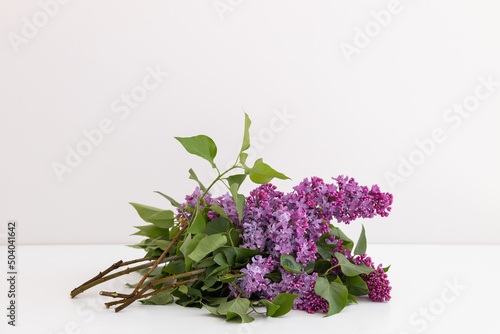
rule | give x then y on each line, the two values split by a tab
225	201
359	201
255	283
377	281
292	223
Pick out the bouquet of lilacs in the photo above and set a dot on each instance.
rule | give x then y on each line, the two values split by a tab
265	253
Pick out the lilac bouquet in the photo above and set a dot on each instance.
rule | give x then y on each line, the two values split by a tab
233	254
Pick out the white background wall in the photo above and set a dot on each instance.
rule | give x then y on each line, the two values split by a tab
356	115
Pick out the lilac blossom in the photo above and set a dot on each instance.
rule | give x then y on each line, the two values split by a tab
377	281
278	223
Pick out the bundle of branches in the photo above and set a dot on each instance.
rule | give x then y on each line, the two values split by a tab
235	255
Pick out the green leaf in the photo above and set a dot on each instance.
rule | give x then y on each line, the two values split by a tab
173	232
356	286
275	276
175	267
237	307
351	269
309	268
188	247
221	259
325	250
198	225
217	270
159	217
194	292
184	250
208	283
322	266
143	244
207	245
236	179
240	256
218	225
243	158
215	207
262	173
161	298
151	231
170	199
239	200
351	299
386	269
183	289
337	232
234	234
246	134
215	300
162	244
193	176
361	244
271	308
212	309
289	264
207	262
201	146
285	303
334	292
228	278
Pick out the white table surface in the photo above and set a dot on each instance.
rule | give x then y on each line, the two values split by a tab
420	277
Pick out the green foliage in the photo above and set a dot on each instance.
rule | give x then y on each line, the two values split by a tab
201	146
325	250
281	304
198	225
240	256
218	225
161	298
347	242
323	266
158	217
243	158
262	173
356	286
236	179
207	245
234	309
361	245
289	264
334	292
349	268
215	207
170	199
175	267
151	231
239	199
246	134
162	244
193	176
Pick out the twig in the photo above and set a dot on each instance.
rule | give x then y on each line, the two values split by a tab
154	292
113	294
100	280
101	274
155	264
149	258
138	295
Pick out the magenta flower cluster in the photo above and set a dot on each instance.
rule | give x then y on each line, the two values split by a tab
278	223
377	281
